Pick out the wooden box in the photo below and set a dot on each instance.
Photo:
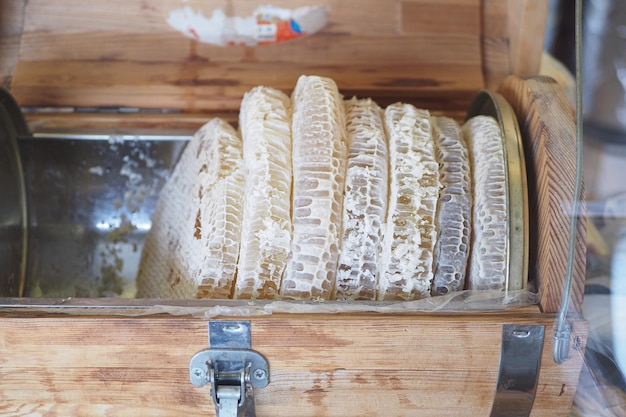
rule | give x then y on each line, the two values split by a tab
117	67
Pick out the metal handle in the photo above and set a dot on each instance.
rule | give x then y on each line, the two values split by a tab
520	361
562	334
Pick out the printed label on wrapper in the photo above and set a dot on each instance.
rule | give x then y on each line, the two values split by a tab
267	25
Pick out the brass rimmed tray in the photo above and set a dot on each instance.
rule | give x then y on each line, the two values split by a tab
488	103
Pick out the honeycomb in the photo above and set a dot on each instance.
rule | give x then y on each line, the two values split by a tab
364	202
265	124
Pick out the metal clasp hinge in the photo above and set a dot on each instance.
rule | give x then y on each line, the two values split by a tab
231	367
520	363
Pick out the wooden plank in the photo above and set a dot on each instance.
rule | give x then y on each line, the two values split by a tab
320	365
512	38
11	22
527	25
495	42
123	53
169	47
162	124
371	18
549	132
557	383
196	85
436	17
137	16
472	36
116	123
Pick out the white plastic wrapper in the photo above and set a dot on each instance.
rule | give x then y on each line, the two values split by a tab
461	301
267	25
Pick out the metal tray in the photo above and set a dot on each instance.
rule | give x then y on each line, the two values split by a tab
488	103
13	215
90	198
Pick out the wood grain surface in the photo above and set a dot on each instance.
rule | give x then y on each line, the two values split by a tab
363	365
123	53
526	27
144	123
11	26
549	132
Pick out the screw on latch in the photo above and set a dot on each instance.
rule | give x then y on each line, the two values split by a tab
578	343
260	374
198	373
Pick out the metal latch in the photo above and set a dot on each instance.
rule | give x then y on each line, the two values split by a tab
520	362
231	367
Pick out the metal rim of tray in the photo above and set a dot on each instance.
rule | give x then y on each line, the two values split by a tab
12	185
488	103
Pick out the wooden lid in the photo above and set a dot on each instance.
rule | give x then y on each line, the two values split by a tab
123	53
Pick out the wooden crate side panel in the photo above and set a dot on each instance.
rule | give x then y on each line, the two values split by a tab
319	366
549	132
557	383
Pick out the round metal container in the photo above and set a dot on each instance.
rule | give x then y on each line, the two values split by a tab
492	104
13	214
